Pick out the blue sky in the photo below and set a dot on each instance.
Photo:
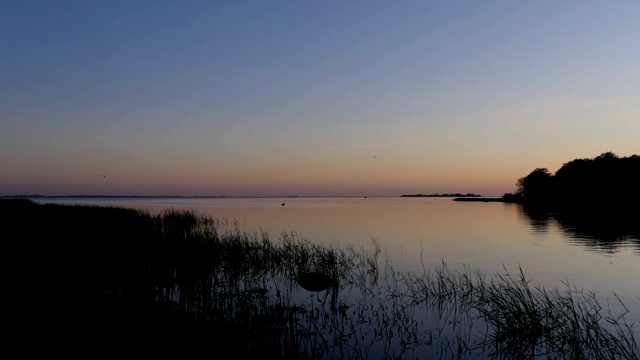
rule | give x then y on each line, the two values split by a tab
310	97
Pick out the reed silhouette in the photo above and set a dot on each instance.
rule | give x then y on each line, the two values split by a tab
96	281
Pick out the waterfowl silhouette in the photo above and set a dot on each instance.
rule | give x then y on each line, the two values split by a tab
315	281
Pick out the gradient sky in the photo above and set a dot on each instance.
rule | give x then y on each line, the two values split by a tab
310	98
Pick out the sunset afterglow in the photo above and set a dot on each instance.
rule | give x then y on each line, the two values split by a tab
324	98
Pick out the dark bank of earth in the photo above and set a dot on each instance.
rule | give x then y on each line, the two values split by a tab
89	280
480	199
443	195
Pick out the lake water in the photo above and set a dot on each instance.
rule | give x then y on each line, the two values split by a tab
417	233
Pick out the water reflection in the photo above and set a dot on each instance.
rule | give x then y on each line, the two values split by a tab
194	285
601	230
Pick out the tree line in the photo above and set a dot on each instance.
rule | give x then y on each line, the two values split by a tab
604	180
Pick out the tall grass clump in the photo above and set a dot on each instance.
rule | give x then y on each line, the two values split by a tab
104	280
518	320
531	321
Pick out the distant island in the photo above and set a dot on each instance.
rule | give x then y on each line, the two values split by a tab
443	195
607	182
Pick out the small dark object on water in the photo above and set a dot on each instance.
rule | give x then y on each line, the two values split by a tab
317	281
282	204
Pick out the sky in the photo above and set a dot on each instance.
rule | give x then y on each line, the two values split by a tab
310	98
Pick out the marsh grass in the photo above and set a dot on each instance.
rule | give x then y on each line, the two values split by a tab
524	321
179	282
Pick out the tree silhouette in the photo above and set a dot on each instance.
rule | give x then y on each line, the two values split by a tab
606	180
535	187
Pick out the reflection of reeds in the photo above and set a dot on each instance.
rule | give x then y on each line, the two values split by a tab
190	283
529	322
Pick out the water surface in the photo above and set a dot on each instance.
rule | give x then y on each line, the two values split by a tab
421	233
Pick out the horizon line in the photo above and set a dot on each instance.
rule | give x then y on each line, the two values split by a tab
233	196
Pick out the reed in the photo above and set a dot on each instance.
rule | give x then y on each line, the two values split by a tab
525	321
191	284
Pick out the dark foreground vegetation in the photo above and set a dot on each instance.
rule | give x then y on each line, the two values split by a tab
93	281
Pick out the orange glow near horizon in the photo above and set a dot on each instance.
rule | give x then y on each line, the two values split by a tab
382	178
310	99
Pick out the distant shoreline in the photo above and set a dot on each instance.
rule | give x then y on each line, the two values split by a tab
456	195
480	199
27	196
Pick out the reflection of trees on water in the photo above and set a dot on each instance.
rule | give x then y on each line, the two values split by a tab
538	219
603	230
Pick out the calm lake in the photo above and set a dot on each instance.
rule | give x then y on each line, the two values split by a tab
421	233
